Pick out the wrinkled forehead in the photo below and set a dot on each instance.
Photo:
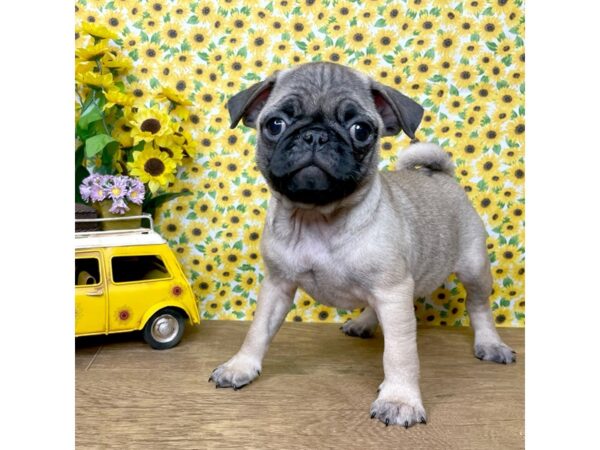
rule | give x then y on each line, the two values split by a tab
320	88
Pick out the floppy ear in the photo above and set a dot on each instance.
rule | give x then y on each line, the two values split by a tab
397	110
246	105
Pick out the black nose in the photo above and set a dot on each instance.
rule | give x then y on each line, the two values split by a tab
319	137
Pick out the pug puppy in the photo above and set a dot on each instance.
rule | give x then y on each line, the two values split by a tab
352	236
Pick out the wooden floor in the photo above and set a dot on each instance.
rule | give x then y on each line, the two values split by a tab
315	392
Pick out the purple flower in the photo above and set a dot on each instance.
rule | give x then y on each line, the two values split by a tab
136	191
118	207
117	187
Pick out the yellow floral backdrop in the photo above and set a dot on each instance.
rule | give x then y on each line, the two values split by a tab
462	60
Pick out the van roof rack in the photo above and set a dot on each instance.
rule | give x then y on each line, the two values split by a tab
118	237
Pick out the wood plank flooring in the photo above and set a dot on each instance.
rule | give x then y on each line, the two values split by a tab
315	392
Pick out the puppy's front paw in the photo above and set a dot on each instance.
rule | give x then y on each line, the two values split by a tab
236	373
497	352
358	329
396	408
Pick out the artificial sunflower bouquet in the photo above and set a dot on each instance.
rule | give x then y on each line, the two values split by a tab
116	134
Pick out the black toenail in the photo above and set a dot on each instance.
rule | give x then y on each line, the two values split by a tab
423	420
406	424
373	415
387	422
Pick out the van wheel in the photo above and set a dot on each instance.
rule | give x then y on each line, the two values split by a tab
164	329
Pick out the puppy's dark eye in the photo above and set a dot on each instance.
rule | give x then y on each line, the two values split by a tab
275	126
360	131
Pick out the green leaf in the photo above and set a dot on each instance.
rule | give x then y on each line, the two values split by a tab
492	46
96	144
193	20
430	53
389	59
453	90
192	216
90	115
155	38
505	303
380	23
301	45
507	282
243	52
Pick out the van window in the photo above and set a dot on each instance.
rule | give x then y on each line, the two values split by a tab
87	271
138	268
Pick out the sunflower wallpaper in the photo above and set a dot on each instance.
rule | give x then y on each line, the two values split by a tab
462	60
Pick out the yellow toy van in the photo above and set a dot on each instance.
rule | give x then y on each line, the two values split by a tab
129	279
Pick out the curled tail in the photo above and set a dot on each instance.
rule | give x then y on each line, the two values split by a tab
426	155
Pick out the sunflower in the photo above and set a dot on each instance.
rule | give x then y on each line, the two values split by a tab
484	92
171	145
456	104
216	57
516	129
213	306
483	201
470	49
495	71
322	313
153	167
489	27
122	132
427	23
97	31
298	27
93	52
91	78
495	181
239	304
507	99
488	164
171	228
149	123
422	43
430	317
464	76
357	38
421	68
446	43
172	34
439	94
516	78
474	7
206	97
151	52
517	213
116	63
502	317
385	40
494	218
444	128
335	55
491	135
516	174
456	311
115	97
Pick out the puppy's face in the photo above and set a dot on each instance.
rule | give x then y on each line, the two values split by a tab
318	129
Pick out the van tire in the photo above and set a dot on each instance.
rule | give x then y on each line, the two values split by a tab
164	329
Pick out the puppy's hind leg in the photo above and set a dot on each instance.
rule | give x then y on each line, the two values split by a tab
363	326
474	273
